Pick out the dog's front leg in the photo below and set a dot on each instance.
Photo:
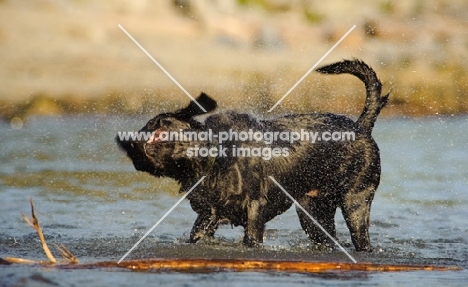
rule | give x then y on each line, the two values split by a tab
253	233
205	226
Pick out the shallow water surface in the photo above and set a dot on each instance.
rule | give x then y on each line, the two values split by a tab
89	197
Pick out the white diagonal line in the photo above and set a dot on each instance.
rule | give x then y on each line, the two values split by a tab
311	69
313	220
160	220
161	67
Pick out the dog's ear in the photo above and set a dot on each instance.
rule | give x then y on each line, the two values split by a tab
193	109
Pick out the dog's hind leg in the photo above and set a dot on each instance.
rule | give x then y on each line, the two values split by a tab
205	226
356	212
323	210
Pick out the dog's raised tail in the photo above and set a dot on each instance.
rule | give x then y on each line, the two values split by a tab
374	101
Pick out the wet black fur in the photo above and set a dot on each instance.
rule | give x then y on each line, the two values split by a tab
321	176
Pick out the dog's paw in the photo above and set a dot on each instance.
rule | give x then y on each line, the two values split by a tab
251	242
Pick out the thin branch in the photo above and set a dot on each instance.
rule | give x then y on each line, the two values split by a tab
34	223
66	254
23	261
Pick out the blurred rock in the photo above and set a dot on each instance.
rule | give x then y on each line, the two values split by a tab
268	38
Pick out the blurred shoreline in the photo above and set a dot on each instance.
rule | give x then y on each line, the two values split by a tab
69	57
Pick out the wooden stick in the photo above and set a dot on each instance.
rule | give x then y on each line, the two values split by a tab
34	223
244	265
256	265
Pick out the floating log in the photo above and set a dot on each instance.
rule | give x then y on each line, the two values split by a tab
254	265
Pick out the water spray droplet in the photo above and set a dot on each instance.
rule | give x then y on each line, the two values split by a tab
16	123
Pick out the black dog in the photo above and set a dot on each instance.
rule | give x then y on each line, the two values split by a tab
321	175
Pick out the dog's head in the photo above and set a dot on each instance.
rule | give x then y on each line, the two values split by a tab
164	157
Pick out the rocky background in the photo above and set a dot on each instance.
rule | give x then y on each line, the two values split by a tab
70	56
